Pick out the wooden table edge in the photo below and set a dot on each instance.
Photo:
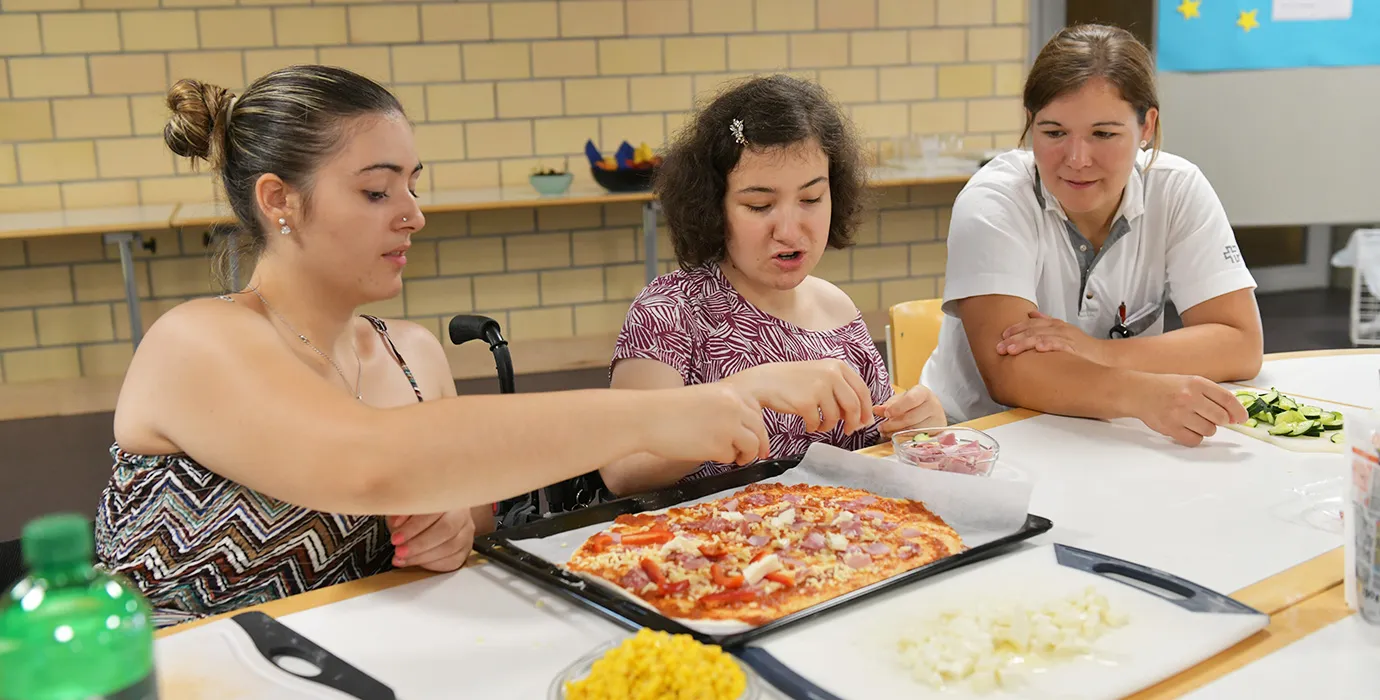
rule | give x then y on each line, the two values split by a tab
1286	627
1295	584
319	597
1299	354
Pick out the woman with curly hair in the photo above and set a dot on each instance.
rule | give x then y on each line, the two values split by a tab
760	182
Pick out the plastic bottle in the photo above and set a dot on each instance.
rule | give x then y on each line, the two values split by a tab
69	631
1361	517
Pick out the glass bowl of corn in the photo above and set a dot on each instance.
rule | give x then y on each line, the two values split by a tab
651	665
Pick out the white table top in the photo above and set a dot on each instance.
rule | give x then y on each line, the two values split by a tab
1351	379
1119	489
1224	514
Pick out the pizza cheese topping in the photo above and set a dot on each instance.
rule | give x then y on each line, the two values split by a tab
765	551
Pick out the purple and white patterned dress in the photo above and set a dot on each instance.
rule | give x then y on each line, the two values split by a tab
696	322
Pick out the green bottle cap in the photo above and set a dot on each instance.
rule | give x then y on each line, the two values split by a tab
63	539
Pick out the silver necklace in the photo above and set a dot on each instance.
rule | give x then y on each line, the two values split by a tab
360	365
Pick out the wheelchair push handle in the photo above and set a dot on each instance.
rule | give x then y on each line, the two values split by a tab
466	328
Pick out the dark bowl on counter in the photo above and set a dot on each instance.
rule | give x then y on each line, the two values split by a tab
625	180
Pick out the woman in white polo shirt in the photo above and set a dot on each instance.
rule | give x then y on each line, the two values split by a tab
1061	259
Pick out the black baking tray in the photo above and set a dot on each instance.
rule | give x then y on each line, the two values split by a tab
499	547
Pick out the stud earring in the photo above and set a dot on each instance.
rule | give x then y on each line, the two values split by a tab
285	230
1142	144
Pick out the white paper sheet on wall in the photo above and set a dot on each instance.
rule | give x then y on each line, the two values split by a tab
1289	10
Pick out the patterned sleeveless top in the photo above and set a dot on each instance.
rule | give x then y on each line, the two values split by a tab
695	321
199	544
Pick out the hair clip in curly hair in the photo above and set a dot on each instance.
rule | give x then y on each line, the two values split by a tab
736	128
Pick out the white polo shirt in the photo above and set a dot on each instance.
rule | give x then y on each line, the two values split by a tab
1170	240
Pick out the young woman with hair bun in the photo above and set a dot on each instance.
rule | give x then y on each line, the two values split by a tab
272	440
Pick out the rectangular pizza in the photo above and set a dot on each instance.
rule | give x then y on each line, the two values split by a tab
765	551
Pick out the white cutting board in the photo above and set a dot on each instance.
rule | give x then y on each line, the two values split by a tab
220	661
1293	444
479	632
1299	444
853	654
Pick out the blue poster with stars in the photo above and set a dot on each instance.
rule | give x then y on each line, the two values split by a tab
1227	35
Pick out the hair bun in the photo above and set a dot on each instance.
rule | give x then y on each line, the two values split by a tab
196	127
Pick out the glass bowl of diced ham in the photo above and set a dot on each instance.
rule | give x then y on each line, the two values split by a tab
961	450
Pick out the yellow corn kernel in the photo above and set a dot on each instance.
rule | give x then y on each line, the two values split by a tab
656	665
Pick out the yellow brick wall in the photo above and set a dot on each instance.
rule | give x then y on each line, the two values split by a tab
496	88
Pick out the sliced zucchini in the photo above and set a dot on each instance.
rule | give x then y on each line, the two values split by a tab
1286	417
1290	416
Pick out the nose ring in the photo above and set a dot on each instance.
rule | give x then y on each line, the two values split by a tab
404	219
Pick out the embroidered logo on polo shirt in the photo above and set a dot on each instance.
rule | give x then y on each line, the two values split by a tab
1231	253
